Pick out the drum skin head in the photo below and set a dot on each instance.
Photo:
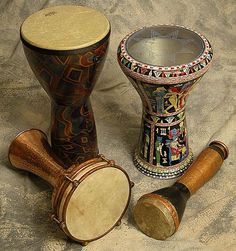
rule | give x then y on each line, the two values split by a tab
97	204
154	218
65	27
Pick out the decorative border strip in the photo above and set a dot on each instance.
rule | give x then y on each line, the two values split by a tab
165	114
162	172
164	124
164	75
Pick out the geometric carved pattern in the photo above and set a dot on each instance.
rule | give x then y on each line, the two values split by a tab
62	59
46	76
75	74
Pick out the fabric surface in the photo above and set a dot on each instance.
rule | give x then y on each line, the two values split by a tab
209	222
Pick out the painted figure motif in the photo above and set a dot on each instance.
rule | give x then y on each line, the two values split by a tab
170	145
160	94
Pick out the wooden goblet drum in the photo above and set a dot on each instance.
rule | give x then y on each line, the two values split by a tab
66	47
158	214
88	200
163	63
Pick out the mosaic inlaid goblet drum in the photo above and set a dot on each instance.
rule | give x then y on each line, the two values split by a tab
164	63
66	47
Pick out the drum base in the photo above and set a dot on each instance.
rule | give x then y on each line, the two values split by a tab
162	172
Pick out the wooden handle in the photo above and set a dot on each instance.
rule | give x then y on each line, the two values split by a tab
205	166
30	151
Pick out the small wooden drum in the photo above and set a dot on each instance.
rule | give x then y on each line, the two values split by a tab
164	63
158	214
88	199
66	47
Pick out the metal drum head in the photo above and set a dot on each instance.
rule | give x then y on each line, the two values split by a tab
97	204
165	45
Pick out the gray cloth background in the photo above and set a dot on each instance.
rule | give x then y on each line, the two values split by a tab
209	222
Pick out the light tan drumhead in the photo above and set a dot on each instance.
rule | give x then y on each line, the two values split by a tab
97	204
153	218
65	27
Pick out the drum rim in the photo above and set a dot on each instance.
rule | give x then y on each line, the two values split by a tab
59	191
64	188
164	74
62	51
84	176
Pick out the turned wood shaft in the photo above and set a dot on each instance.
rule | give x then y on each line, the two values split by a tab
204	167
30	151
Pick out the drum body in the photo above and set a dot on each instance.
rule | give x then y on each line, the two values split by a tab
67	65
164	63
92	200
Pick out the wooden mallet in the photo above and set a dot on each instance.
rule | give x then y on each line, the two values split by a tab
158	214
